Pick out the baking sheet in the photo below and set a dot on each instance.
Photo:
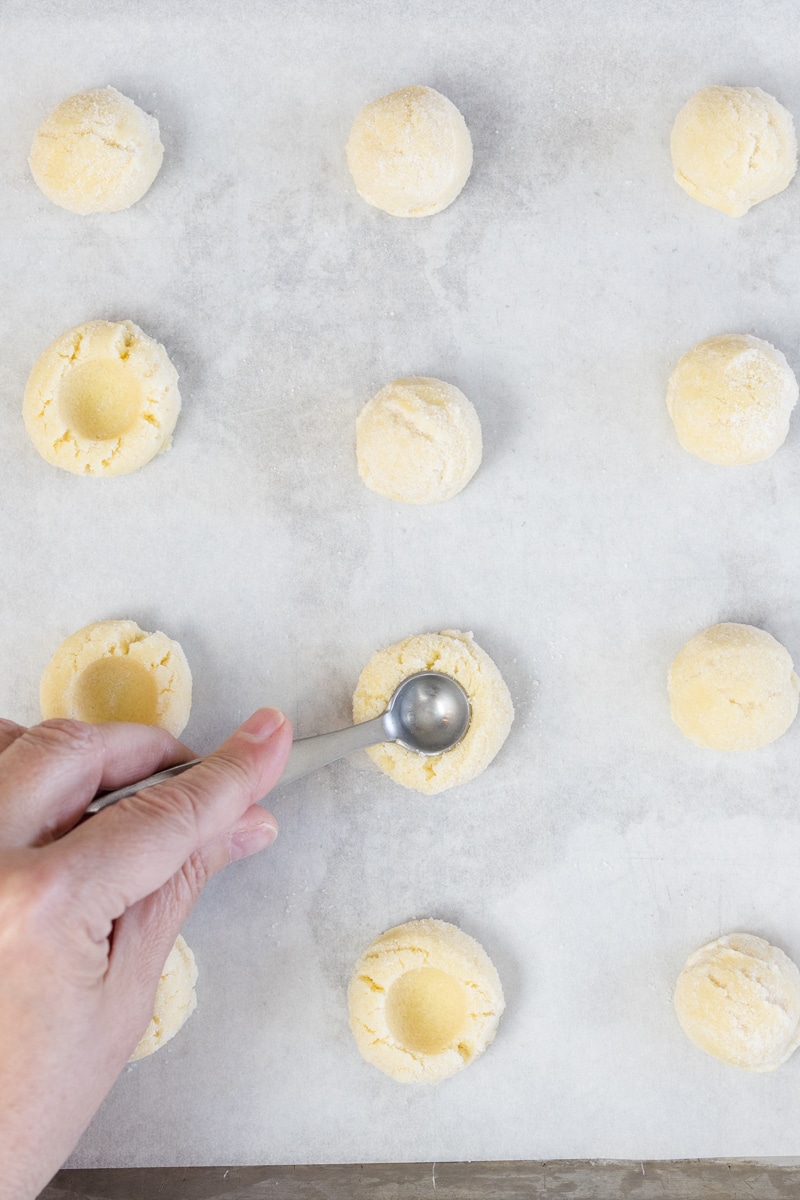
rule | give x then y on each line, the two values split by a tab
601	847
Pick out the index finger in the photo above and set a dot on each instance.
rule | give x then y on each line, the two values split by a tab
49	773
132	848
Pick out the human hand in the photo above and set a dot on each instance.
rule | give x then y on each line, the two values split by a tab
89	912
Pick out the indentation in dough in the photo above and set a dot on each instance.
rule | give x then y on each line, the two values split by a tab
117	688
100	399
426	1010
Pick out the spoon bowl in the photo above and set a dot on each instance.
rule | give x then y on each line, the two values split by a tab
429	713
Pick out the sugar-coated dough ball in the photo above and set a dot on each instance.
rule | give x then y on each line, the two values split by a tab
738	998
425	1001
730	399
410	152
102	399
418	440
175	1000
733	147
96	152
457	655
733	687
113	671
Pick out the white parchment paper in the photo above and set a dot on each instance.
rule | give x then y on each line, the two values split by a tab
558	291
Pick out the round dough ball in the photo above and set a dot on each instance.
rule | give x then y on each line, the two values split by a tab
418	440
733	147
175	1000
738	998
410	152
730	399
457	655
113	671
425	1000
102	399
96	152
733	687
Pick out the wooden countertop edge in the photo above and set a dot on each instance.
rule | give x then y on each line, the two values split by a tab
697	1179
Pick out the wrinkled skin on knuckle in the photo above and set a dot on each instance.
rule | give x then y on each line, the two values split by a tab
231	769
193	876
62	736
172	807
180	805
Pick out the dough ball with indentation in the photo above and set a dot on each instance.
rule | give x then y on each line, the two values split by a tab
102	399
730	399
733	687
733	147
175	1000
114	671
410	152
738	998
418	440
457	655
425	1000
96	152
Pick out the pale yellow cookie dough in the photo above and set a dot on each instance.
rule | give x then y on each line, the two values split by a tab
738	998
113	671
457	655
733	147
175	1000
410	152
418	440
96	152
733	687
425	1000
102	399
730	399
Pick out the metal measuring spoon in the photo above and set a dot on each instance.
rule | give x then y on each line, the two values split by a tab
428	713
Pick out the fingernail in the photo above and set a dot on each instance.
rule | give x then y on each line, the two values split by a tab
261	726
250	841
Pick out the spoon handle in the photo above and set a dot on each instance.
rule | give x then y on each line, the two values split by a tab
306	755
107	798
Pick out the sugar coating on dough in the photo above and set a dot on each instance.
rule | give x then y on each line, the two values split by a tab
175	1000
730	399
733	687
455	654
114	671
96	152
733	147
738	998
410	152
102	399
424	1000
418	440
